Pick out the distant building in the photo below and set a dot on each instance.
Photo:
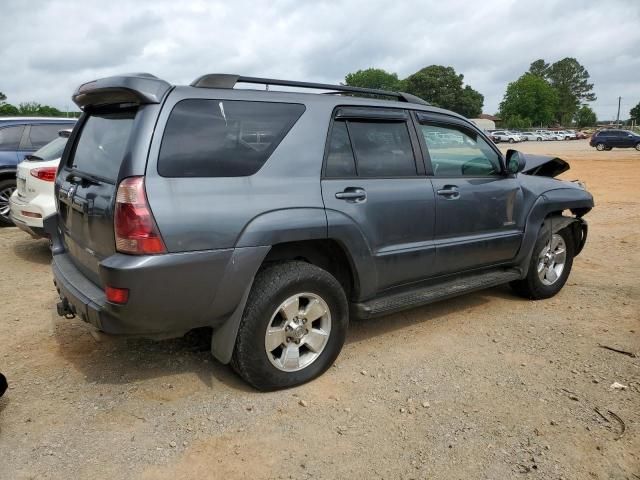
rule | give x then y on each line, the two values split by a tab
485	121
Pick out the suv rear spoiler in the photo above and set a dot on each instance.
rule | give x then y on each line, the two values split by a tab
136	88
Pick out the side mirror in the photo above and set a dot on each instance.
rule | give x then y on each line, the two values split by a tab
515	161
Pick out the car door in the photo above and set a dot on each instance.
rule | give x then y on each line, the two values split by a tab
479	218
373	185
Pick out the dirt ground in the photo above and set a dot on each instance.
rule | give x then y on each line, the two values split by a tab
485	386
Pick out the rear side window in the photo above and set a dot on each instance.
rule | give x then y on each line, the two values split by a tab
223	138
102	144
382	149
40	135
340	160
10	137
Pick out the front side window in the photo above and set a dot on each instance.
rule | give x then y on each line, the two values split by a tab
382	149
457	151
10	137
223	138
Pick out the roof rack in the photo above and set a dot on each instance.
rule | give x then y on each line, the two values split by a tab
224	80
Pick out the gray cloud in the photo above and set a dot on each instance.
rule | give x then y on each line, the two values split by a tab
47	48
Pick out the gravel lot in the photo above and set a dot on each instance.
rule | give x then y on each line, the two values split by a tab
482	386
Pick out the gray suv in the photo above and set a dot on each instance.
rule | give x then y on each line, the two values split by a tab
275	216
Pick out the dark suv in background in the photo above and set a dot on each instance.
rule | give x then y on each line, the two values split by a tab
20	136
608	139
273	217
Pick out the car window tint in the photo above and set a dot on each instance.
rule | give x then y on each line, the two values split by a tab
102	144
382	149
340	161
459	152
52	150
223	138
10	137
40	135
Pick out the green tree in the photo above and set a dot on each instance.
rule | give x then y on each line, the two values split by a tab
585	117
539	68
373	78
516	121
531	98
571	81
3	97
442	86
634	113
8	110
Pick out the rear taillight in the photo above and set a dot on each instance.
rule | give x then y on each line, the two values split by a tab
48	174
135	229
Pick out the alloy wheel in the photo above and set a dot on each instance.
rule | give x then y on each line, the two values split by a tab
5	207
552	259
298	332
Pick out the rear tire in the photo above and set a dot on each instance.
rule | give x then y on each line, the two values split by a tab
549	267
6	189
279	343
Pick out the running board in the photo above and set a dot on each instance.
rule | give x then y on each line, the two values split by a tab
424	295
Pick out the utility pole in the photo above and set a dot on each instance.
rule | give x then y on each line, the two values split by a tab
618	115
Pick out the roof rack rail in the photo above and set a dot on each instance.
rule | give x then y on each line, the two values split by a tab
224	80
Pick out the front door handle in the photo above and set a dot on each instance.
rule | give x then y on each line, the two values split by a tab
352	194
449	191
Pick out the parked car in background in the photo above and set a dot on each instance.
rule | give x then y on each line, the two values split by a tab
571	134
533	136
581	135
273	217
505	136
20	136
33	199
608	139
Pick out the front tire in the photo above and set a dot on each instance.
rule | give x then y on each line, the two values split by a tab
638	146
550	265
293	327
511	140
6	189
600	146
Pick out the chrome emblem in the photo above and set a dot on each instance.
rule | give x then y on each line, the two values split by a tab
71	191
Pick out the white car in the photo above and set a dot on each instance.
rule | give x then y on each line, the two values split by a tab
505	136
532	136
33	199
569	134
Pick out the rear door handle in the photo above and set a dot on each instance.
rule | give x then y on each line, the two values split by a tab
352	194
449	191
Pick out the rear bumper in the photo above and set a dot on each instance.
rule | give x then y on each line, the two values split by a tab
41	205
35	232
168	294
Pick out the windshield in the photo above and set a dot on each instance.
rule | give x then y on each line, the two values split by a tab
51	151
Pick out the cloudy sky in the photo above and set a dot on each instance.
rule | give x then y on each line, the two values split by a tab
47	48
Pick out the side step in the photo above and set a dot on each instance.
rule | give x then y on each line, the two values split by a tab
424	295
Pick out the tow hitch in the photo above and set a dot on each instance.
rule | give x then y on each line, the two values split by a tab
64	309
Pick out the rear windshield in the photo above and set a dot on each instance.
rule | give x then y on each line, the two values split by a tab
223	138
51	151
102	144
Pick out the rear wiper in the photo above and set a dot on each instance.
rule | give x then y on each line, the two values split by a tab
34	158
85	178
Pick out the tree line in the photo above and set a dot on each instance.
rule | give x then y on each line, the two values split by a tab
545	95
30	109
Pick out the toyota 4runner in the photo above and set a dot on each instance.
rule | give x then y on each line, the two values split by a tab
275	216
